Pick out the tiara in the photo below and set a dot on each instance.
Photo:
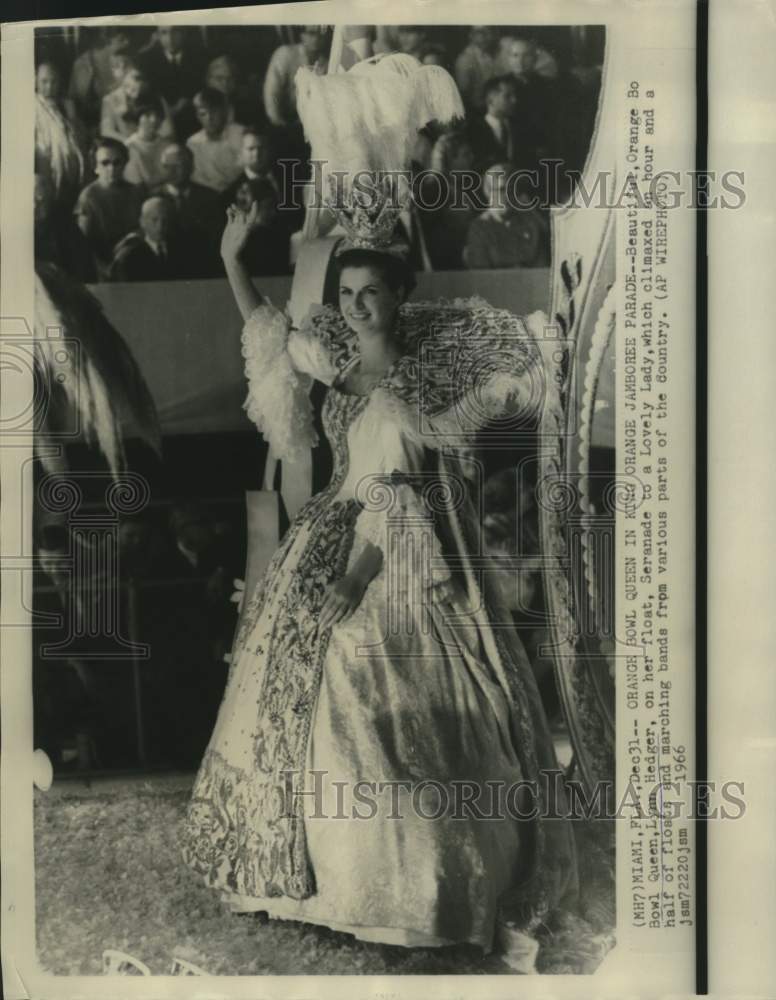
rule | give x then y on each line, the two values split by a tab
369	208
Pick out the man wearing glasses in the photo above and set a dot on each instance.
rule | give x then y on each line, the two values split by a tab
109	207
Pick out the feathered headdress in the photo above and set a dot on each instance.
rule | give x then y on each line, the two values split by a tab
362	126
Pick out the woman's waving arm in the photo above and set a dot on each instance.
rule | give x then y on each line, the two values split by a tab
236	232
280	362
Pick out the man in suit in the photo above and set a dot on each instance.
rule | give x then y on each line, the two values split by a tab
156	252
493	135
256	162
175	74
537	108
198	211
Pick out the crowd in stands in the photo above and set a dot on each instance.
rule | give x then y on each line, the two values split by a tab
144	136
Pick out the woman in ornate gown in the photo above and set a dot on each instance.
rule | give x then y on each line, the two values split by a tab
371	667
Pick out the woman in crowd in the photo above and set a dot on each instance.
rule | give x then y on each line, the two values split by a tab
119	119
146	145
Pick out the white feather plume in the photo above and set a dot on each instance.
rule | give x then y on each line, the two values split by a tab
367	118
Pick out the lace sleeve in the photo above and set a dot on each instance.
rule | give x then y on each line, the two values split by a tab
278	392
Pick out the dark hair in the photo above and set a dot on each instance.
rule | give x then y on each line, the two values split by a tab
395	271
187	153
212	99
107	142
148	104
261	190
457	140
521	36
496	83
438	50
223	57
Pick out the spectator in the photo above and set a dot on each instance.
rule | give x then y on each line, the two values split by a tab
154	252
434	54
493	135
448	223
218	144
198	211
266	251
108	208
120	62
222	75
385	40
243	95
145	146
422	148
92	78
547	63
279	88
256	163
537	105
252	49
58	136
452	152
58	240
475	66
509	233
411	40
575	99
174	72
48	86
119	107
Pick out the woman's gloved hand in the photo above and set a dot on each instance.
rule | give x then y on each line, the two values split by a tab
342	598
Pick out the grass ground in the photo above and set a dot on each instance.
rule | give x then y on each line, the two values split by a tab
108	875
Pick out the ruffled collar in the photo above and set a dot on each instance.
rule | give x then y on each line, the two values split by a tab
452	349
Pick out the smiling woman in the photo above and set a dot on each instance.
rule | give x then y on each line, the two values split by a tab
367	652
371	289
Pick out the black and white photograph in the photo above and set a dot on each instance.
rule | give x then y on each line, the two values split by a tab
324	492
385	521
301	663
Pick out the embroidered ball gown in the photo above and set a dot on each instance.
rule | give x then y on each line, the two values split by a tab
405	692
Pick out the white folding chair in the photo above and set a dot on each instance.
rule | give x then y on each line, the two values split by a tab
180	967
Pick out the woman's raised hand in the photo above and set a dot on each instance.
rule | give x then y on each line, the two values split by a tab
237	230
